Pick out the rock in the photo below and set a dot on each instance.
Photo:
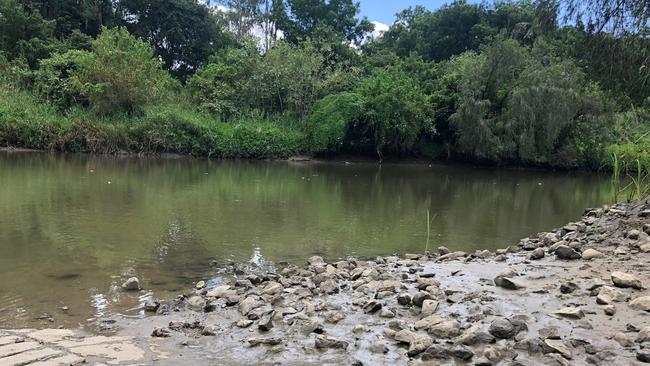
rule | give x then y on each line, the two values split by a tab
385	313
474	336
643	355
565	252
359	328
196	303
220	292
266	322
161	333
323	341
633	234
404	299
248	304
463	353
334	316
436	352
641	303
132	284
372	307
595	283
537	254
643	336
570	313
446	329
503	329
500	258
151	305
590	254
419	298
549	333
608	294
622	339
200	285
443	250
569	287
272	288
316	261
508	283
645	248
270	341
429	307
557	346
209	330
417	343
625	280
428	322
329	287
482	361
244	323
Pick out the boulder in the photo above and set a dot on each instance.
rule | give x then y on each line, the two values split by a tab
570	313
429	307
608	295
323	341
417	343
641	303
509	283
624	280
557	346
537	254
132	284
590	254
565	252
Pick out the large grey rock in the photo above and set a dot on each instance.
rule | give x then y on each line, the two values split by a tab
565	252
590	254
132	284
570	313
323	341
608	295
509	283
641	303
558	346
505	328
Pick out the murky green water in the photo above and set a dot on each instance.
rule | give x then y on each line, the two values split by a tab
72	228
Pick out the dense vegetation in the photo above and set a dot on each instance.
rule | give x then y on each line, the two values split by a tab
545	83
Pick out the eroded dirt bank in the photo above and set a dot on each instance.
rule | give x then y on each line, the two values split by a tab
573	296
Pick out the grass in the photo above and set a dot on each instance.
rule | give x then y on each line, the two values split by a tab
170	128
630	178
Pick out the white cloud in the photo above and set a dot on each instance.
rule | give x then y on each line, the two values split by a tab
380	29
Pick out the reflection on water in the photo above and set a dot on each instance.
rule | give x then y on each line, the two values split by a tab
72	228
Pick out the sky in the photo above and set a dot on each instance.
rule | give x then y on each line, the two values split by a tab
383	11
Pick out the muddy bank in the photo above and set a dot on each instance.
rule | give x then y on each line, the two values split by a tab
576	295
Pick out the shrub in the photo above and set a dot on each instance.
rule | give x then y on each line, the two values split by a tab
52	79
333	115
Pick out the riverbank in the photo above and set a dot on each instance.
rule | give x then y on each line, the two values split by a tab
576	295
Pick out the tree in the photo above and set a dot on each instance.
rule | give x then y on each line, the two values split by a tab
121	74
615	16
183	32
87	16
24	35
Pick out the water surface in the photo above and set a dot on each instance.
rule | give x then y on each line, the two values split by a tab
72	227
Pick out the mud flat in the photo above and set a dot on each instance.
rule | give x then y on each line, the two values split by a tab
576	295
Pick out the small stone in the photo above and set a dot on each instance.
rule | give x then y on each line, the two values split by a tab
446	329
622	339
610	310
643	336
643	355
549	333
196	303
385	313
359	328
323	341
151	305
641	303
570	313
436	352
633	234
160	333
132	284
537	254
508	283
404	299
209	330
590	254
474	336
271	341
316	261
565	252
334	316
429	307
625	280
463	353
417	343
266	322
200	285
567	288
557	346
482	361
244	323
608	294
443	250
372	307
502	329
419	298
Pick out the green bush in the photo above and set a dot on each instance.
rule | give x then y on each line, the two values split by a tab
120	75
333	115
52	79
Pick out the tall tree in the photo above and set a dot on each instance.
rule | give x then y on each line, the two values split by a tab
184	33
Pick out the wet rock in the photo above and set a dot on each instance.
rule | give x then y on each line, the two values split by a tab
643	336
329	287
200	285
474	336
625	280
436	352
359	328
323	341
419	298
248	304
595	283
272	288
567	253
334	316
623	340
428	322
372	307
151	305
429	307
161	333
270	341
404	299
316	261
446	329
549	333
643	355
568	287
590	254
509	283
500	258
633	234
641	303
570	313
463	353
244	323
505	328
196	303
610	310
417	343
557	346
209	330
482	361
132	284
537	254
266	322
608	295
443	250
385	313
220	292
